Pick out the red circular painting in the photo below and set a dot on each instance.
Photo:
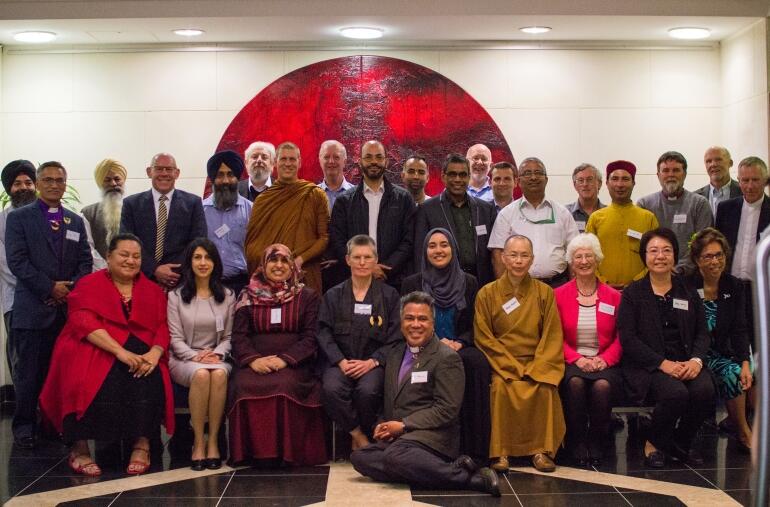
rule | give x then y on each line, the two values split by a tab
353	99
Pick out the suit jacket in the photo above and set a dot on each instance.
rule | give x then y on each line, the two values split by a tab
734	188
186	222
436	212
36	267
641	332
395	227
729	219
463	319
430	409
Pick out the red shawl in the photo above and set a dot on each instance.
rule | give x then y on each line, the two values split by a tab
78	368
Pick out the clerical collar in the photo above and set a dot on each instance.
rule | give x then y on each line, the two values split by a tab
53	210
673	197
415	350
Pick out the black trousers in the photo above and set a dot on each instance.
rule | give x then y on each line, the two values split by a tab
474	414
30	353
353	402
688	402
409	462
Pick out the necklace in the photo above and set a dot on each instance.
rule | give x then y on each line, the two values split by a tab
596	286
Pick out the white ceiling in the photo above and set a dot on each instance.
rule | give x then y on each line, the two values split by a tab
418	22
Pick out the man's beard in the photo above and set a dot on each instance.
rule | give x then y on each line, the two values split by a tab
258	173
22	197
225	196
672	188
109	212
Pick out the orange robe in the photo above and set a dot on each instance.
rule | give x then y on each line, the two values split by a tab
295	214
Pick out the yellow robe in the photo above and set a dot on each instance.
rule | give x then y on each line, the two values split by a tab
295	214
524	349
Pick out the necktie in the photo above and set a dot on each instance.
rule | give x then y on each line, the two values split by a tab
160	233
406	364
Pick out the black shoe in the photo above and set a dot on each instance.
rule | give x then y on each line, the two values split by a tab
198	465
580	455
692	457
656	459
27	442
466	462
485	480
616	422
213	463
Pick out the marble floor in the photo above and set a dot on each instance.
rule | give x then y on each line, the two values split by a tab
42	477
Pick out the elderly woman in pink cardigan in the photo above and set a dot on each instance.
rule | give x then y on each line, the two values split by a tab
592	351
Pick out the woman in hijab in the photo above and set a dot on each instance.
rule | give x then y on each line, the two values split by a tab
454	292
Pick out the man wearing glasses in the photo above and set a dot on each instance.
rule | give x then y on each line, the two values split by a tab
165	219
48	253
379	209
548	224
587	181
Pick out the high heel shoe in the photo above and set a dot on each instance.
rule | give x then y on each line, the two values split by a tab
213	463
138	467
198	465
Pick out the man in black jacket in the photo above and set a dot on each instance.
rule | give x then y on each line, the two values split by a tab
468	218
378	209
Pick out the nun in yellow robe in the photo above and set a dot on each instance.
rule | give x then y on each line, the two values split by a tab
517	327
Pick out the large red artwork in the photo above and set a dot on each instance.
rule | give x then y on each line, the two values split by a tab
410	108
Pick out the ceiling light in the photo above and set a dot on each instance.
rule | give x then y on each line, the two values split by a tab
689	33
535	29
362	32
34	36
189	32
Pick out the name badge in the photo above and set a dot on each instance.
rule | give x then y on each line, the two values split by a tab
701	293
73	235
680	219
220	323
681	304
224	229
605	308
634	234
581	226
419	377
511	305
481	230
275	315
362	309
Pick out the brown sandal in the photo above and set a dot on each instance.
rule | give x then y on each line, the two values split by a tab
138	467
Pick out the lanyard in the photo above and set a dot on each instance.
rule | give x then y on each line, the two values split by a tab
550	220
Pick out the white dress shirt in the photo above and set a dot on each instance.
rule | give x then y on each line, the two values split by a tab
156	201
746	242
375	198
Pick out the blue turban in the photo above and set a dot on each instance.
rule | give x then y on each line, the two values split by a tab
227	157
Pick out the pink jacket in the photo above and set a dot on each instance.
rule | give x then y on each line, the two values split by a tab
607	304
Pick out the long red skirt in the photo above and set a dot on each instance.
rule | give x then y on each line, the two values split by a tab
277	427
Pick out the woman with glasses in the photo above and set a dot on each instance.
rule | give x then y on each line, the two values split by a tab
724	302
662	328
588	309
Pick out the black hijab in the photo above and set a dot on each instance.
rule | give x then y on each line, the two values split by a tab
446	285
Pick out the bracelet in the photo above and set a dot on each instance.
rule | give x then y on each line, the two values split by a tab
697	360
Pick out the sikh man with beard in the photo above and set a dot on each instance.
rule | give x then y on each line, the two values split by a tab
227	216
103	217
19	183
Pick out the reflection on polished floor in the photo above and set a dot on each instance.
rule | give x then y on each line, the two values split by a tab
42	477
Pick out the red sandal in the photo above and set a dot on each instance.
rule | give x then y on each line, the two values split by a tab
89	469
138	467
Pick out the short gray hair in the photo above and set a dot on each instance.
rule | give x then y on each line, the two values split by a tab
754	162
261	144
585	240
361	240
334	142
582	167
417	298
533	160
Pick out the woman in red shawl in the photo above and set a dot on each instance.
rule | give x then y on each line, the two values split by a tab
275	408
109	375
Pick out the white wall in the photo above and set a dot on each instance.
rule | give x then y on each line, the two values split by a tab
565	106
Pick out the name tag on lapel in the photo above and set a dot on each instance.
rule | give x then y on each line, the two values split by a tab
511	305
73	235
605	308
275	315
224	229
220	323
701	294
419	377
634	234
681	304
581	226
680	219
481	230
362	309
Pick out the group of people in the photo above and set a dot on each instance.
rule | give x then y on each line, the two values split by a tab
432	330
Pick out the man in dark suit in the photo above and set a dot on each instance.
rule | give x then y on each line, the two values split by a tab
468	218
165	219
721	187
418	439
48	252
260	160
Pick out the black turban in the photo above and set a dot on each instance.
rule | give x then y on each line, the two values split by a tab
230	159
15	168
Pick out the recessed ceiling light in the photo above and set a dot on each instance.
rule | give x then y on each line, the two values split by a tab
362	32
34	36
189	32
689	33
535	29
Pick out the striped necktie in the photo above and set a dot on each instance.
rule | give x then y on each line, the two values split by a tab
160	233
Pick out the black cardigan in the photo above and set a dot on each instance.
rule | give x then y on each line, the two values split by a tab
464	318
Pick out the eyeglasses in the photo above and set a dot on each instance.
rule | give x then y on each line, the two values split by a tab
666	251
584	257
532	174
584	181
53	181
712	257
516	256
452	175
164	169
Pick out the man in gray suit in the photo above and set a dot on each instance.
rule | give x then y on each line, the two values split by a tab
418	439
721	187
